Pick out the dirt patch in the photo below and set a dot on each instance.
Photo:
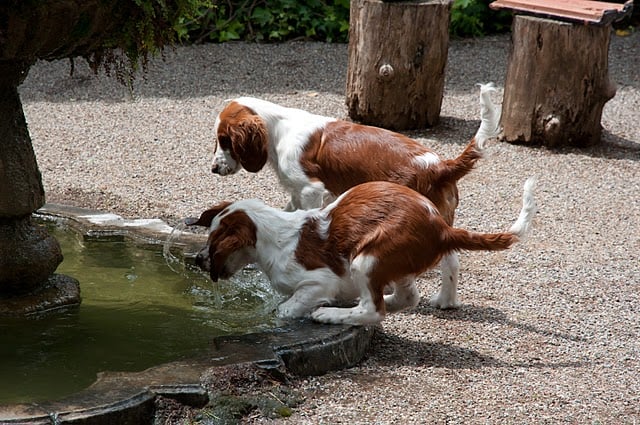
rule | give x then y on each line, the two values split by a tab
238	393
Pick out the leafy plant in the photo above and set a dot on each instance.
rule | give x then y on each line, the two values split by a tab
144	28
323	20
265	20
473	18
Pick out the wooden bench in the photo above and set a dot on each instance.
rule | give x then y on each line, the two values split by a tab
557	78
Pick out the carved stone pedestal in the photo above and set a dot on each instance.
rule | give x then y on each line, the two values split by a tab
28	254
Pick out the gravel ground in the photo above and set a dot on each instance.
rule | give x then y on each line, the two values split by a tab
548	332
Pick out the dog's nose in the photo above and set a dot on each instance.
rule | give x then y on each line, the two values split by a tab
215	168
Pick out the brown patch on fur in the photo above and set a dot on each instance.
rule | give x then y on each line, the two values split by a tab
244	134
400	231
344	154
313	252
208	215
236	231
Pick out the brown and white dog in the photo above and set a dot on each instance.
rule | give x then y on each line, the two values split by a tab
316	158
375	235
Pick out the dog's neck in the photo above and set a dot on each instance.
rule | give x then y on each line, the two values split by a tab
288	128
277	236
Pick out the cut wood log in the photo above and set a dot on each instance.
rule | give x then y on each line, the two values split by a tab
557	83
397	59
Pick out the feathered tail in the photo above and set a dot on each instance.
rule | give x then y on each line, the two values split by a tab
460	166
489	116
460	239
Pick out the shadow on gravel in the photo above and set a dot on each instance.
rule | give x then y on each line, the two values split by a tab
398	350
611	147
614	147
470	313
450	130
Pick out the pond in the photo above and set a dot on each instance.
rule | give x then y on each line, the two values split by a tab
138	310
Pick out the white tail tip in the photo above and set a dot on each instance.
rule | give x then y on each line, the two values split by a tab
528	211
489	116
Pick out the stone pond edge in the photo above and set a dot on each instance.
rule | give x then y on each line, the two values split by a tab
302	348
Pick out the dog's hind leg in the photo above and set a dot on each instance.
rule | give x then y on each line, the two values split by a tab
448	295
308	197
294	203
405	295
370	308
312	196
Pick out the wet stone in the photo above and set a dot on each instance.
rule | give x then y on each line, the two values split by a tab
58	292
28	256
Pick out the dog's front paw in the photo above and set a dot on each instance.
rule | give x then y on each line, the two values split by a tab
327	315
292	310
346	316
284	313
444	302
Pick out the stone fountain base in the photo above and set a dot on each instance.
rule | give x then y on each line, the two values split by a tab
58	292
28	258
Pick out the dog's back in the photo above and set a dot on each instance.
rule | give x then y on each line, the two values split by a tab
342	155
351	154
389	235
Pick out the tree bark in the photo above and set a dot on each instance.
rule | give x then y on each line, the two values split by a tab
557	83
397	59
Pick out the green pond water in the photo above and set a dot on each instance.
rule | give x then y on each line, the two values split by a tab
136	312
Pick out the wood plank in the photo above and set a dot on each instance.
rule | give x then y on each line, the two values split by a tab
584	11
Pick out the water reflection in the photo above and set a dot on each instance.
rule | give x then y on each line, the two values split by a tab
136	312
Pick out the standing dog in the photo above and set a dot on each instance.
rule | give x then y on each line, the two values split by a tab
317	158
375	235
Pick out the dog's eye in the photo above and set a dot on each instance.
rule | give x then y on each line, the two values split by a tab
224	141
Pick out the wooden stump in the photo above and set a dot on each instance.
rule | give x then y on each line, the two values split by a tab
557	83
397	58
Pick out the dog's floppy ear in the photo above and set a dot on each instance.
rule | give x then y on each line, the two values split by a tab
249	141
207	216
237	232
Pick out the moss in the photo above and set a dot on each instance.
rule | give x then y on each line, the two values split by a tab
231	408
240	391
119	35
146	27
82	27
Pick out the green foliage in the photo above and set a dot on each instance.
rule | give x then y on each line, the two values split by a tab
144	28
473	18
270	20
328	20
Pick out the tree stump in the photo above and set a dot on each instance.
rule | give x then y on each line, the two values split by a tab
557	83
397	58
